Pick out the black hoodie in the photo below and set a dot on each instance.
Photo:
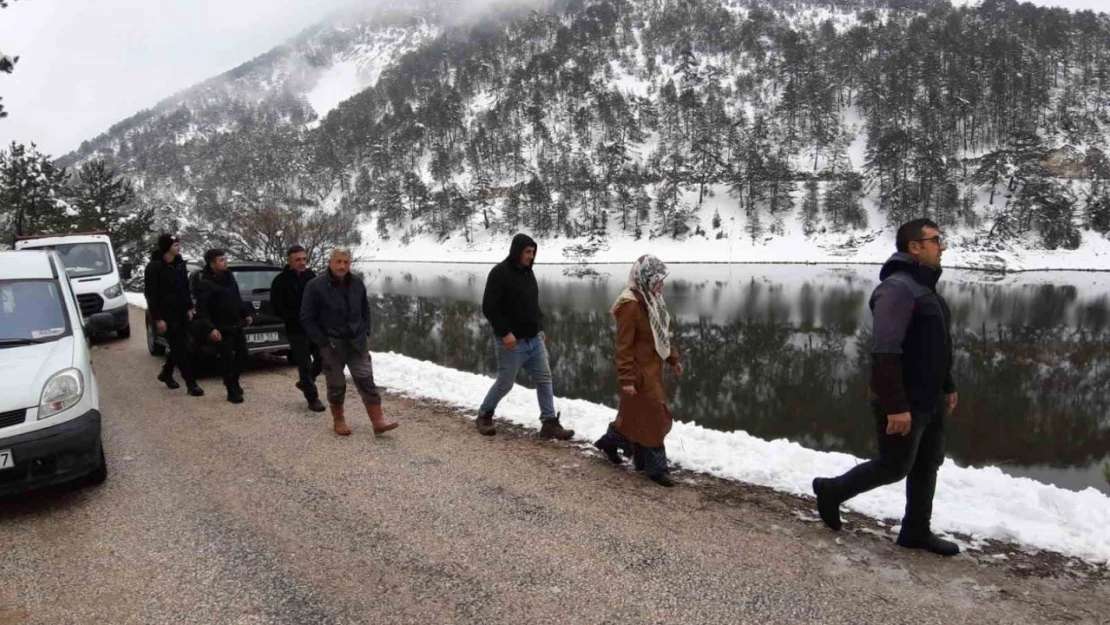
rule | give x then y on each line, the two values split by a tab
166	287
512	298
219	302
912	358
286	295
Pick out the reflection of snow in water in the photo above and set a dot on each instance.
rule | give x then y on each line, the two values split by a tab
797	295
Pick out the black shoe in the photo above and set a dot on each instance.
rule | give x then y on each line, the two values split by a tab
166	377
315	405
551	428
195	390
929	542
235	397
610	451
827	506
484	423
662	480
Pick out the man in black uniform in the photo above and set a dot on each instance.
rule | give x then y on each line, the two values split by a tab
166	286
286	295
221	318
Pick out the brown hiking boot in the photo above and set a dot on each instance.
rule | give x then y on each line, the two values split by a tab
484	422
338	422
381	426
551	428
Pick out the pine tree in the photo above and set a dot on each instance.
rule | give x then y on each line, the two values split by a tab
105	201
32	192
811	207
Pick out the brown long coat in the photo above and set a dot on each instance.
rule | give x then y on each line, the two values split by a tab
643	418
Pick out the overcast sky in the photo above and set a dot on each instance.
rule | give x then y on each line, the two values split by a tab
87	64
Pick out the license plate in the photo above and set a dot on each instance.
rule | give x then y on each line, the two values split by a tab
263	337
7	461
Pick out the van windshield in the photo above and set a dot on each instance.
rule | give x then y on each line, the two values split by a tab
83	260
31	311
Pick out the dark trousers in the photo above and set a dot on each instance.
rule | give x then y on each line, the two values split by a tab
353	355
233	356
181	353
916	457
652	460
306	355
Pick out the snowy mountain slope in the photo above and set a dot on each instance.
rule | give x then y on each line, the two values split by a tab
713	130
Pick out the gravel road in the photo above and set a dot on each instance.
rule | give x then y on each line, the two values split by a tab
214	513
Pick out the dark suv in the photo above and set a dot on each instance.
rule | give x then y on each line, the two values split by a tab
265	335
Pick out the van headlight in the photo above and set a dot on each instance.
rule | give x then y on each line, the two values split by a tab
113	291
62	391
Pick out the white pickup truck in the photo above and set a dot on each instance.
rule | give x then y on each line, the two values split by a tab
49	398
97	279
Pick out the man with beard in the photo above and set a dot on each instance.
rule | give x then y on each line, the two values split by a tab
512	305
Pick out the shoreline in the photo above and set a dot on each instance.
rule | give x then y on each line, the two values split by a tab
987	270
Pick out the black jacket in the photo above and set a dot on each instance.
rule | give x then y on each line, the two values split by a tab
219	303
166	286
912	358
512	299
286	294
335	309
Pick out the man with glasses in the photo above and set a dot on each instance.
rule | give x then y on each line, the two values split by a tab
912	390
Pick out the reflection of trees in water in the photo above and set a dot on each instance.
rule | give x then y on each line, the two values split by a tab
1032	393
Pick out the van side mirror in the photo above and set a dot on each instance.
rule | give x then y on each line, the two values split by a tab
125	271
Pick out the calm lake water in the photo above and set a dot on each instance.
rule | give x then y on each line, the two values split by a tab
783	352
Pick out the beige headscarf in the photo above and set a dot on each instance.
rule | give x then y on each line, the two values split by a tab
646	274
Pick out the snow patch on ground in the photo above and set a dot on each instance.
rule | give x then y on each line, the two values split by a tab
983	502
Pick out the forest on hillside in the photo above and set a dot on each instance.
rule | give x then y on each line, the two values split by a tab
592	117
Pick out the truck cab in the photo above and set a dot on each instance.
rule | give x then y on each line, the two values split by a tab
49	398
96	277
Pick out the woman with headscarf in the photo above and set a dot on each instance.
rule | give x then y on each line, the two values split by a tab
643	345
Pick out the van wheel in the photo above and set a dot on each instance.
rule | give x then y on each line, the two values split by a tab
152	346
124	333
100	473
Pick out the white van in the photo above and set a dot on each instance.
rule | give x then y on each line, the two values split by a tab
49	398
96	278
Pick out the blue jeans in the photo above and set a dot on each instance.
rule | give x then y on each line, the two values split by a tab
531	354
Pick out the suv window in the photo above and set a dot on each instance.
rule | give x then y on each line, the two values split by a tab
31	311
251	279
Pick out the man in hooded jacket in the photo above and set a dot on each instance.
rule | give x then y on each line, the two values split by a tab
221	317
912	390
166	287
511	303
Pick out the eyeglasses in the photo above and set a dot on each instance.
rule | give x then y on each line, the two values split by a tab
937	239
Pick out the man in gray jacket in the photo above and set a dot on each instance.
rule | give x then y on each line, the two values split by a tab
335	313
